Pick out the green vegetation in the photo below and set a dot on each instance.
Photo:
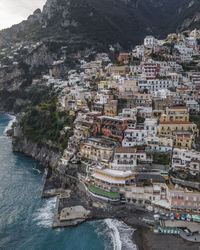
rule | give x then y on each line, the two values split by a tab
23	97
160	158
198	41
102	192
158	57
190	66
195	117
43	125
140	119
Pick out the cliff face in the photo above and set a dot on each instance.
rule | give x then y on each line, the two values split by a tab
58	174
67	28
94	22
42	154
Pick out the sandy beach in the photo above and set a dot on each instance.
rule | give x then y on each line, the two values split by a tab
147	240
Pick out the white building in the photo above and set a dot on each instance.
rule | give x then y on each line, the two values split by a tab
150	42
183	158
159	144
136	136
129	113
155	84
124	159
192	105
138	51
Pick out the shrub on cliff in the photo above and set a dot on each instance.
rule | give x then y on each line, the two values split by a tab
43	125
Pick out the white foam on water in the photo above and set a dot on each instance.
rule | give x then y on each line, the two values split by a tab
121	235
44	215
37	170
9	126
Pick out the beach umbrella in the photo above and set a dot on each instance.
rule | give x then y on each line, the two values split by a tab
177	216
189	217
172	216
196	218
183	216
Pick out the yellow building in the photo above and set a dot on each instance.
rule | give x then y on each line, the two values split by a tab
170	128
112	180
110	109
175	114
184	141
102	85
81	103
119	70
171	37
96	150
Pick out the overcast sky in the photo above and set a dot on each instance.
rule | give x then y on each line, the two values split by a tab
14	11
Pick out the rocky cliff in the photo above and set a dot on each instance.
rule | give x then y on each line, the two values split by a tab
93	22
65	29
59	175
42	154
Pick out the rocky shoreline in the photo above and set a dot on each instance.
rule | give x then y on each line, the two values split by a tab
56	183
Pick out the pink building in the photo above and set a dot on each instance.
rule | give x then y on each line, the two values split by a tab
128	86
183	199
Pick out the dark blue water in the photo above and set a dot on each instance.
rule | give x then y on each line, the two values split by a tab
25	218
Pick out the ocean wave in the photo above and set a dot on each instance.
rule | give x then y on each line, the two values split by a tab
121	235
44	215
9	126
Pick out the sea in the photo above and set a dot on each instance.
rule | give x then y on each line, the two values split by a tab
26	219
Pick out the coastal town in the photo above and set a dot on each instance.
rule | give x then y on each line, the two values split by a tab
136	130
100	124
137	125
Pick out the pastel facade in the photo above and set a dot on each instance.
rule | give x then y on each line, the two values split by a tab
183	199
119	70
154	85
111	180
110	108
136	136
184	141
159	144
150	42
128	86
124	159
186	159
170	128
96	150
175	114
110	127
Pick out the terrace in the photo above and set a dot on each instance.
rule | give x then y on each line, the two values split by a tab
101	192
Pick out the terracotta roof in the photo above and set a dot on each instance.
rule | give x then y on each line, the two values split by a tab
178	107
176	122
141	151
182	88
125	150
184	136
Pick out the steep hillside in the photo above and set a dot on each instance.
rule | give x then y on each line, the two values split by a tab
90	22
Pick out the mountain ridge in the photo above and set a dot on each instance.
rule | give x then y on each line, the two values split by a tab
105	22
